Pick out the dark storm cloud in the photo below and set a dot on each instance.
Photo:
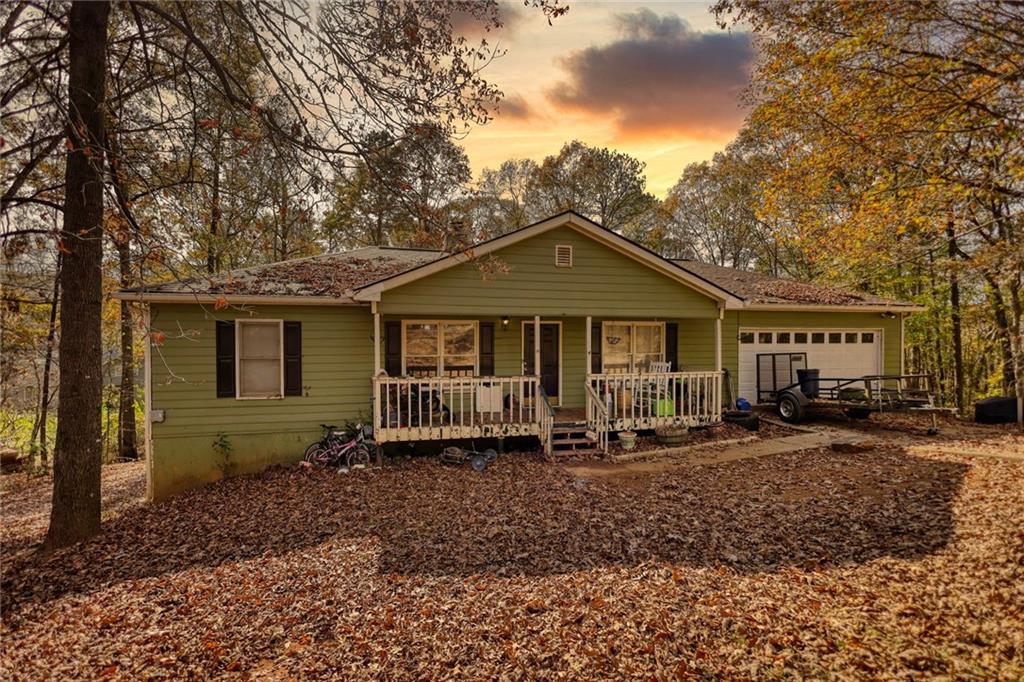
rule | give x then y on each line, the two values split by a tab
659	78
514	107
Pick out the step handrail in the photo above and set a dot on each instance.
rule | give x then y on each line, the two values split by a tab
597	417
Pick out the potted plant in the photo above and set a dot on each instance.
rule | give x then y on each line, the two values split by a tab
672	435
627	439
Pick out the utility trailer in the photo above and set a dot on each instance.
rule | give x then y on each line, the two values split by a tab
859	397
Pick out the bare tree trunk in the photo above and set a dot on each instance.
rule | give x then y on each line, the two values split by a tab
1005	339
76	476
51	337
954	304
127	443
212	249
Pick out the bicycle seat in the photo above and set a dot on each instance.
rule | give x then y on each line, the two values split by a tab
328	427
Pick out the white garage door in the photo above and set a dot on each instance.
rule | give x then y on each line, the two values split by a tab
836	352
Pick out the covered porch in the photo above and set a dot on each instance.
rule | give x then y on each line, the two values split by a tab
497	377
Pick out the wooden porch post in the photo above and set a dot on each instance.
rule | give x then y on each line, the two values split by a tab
375	400
718	340
376	338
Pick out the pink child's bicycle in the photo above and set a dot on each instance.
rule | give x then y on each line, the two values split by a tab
334	450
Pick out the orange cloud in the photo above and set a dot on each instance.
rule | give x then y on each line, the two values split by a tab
660	79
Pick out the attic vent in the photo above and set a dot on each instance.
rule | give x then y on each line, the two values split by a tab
563	256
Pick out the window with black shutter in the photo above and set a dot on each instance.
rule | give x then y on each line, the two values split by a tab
225	359
292	358
487	349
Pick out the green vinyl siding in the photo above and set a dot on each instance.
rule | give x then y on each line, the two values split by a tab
696	345
337	363
522	279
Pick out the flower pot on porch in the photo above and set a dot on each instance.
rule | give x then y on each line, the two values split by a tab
627	439
672	435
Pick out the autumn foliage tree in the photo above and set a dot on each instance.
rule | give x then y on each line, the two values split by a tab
311	81
898	133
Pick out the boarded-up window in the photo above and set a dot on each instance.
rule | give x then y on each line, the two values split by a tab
260	359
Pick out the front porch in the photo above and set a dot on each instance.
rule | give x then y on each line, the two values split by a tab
452	408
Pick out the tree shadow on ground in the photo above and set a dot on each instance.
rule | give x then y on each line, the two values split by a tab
526	517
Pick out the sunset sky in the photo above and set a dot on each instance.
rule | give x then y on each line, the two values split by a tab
657	80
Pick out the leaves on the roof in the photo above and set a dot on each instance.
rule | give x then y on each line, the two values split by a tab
324	276
801	292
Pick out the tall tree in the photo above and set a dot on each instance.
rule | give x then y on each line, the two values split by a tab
76	473
602	184
893	122
322	78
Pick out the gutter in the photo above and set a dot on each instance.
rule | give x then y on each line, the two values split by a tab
814	308
153	297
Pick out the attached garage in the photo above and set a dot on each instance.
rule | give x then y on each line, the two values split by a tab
835	352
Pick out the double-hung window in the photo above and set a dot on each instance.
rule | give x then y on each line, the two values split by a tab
440	348
259	347
631	346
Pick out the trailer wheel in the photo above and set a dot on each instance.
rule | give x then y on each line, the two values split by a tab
790	409
858	413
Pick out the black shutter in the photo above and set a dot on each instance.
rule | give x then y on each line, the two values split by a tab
487	349
225	359
672	345
595	348
393	348
293	358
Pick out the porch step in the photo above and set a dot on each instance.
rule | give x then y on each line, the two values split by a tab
571	441
566	454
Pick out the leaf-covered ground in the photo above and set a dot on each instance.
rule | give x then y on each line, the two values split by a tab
878	564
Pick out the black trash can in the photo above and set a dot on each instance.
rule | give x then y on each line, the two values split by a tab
808	379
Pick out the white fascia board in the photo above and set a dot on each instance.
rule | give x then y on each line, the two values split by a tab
155	297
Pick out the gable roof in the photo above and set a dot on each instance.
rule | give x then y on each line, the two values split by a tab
361	275
569	219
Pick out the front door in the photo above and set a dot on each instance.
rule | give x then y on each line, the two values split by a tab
550	356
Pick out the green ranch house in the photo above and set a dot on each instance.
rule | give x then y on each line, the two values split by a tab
562	330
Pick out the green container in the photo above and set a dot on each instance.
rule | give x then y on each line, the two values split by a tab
664	407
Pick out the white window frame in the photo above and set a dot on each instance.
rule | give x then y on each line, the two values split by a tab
238	360
440	343
632	340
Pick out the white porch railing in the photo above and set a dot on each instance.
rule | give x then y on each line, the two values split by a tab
650	400
435	408
597	417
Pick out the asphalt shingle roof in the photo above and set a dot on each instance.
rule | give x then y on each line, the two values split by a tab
336	275
755	287
327	275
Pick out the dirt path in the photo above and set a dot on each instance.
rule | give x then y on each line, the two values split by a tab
709	455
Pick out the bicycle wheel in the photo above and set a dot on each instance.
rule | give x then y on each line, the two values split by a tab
360	457
312	453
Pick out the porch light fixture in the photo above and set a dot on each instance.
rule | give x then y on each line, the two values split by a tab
504	321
